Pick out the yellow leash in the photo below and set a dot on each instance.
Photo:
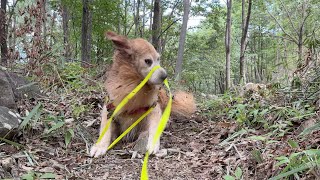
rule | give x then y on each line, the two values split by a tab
125	101
162	124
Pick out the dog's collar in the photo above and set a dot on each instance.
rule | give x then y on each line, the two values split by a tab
110	106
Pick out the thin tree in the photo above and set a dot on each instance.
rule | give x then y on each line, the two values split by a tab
156	25
66	32
244	28
44	19
3	33
182	39
85	36
228	43
150	15
137	17
295	31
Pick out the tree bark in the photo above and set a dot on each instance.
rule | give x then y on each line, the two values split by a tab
126	4
66	32
44	18
150	17
182	39
89	33
119	19
3	33
156	25
85	36
228	44
137	18
143	19
245	26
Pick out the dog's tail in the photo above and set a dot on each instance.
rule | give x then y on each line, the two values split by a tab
183	103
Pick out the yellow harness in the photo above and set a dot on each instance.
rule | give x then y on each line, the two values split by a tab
162	124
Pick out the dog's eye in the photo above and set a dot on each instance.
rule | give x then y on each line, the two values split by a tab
148	62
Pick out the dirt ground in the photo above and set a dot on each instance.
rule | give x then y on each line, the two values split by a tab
194	148
192	153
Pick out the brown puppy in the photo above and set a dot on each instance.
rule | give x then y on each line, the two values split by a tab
132	61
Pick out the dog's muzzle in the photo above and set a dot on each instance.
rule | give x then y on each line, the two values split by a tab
158	76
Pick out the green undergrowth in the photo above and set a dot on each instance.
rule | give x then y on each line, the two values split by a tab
277	120
72	92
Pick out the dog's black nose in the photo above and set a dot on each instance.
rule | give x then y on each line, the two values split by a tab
163	76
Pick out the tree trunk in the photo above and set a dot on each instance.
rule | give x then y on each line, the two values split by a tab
44	18
3	33
143	19
137	18
228	44
156	25
245	26
54	16
89	33
182	39
125	17
85	36
119	19
150	17
66	33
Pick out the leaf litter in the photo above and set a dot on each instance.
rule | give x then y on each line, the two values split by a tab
194	148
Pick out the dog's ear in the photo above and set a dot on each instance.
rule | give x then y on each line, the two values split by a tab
120	42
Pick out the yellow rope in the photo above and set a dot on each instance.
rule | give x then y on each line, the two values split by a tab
162	123
125	101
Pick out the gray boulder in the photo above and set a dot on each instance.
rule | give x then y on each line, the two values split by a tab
14	88
22	88
9	122
6	94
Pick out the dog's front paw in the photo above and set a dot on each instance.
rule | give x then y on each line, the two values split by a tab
98	150
155	148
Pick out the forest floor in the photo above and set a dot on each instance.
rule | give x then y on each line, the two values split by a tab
200	147
193	152
196	148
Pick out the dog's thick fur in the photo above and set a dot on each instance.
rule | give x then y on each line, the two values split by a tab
132	61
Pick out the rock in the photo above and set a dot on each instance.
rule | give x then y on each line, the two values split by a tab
9	122
8	168
306	124
22	88
213	97
14	88
7	95
162	153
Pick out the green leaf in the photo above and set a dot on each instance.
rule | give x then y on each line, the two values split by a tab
284	161
234	135
29	176
55	127
27	85
264	112
48	176
67	137
257	156
238	173
228	177
309	130
30	115
258	138
271	141
312	152
293	144
11	143
296	170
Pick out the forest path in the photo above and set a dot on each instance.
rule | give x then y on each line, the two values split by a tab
192	152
